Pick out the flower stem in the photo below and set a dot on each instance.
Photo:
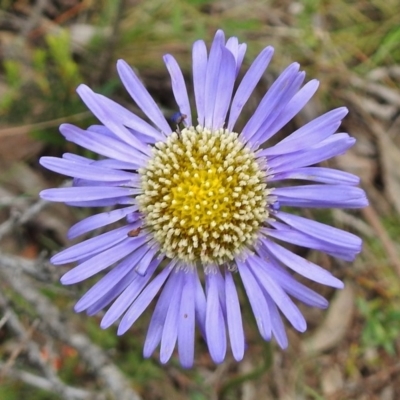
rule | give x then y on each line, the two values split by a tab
254	374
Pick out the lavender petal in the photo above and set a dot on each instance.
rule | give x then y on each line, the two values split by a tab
99	262
99	220
215	324
248	83
141	96
102	145
322	196
199	63
318	174
234	317
278	295
186	323
257	300
170	329
301	266
142	302
92	246
179	87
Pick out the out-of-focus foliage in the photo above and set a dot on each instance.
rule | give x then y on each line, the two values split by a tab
382	324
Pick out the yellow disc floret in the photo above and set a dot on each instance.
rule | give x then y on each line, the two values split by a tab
204	195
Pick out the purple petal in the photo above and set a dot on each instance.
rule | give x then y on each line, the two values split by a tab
232	44
298	101
144	263
113	201
79	182
112	292
154	333
77	159
218	41
257	300
76	170
323	232
99	220
200	306
287	94
318	174
213	68
116	290
278	295
248	83
223	94
333	146
215	324
179	87
213	75
141	96
101	261
238	51
186	328
302	266
106	111
278	329
272	98
291	235
140	129
85	193
116	164
199	63
170	329
310	134
103	145
234	317
322	196
312	128
92	246
128	296
294	288
221	289
239	59
142	302
110	280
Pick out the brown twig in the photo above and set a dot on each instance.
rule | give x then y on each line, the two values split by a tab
65	16
373	382
116	383
369	212
34	17
18	349
18	219
35	269
45	384
25	129
371	216
53	381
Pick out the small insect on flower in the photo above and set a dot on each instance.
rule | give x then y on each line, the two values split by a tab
178	118
201	206
134	232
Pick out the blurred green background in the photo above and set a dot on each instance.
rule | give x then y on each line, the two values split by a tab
350	351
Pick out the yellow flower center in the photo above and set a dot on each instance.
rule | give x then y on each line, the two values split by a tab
204	196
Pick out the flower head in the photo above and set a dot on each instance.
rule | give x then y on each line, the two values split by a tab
203	203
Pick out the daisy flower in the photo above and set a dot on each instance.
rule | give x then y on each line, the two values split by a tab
200	207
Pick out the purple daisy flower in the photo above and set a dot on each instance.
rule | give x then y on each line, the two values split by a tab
202	204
